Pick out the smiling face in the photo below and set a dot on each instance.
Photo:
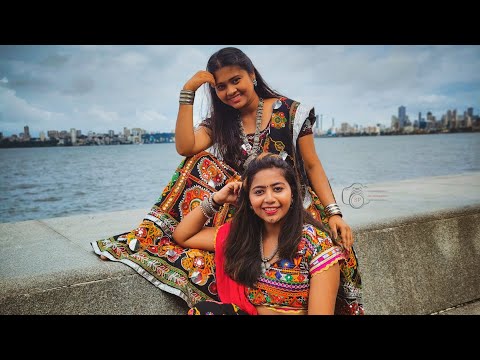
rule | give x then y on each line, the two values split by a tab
270	195
234	86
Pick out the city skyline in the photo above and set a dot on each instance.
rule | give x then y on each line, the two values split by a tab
100	88
318	125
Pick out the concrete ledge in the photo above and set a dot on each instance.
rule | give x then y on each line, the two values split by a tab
422	264
49	267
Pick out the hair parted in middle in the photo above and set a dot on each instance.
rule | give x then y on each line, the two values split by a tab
242	248
223	118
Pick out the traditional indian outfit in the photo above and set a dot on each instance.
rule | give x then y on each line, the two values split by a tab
283	287
190	273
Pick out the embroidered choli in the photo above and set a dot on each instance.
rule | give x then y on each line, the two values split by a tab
289	122
285	285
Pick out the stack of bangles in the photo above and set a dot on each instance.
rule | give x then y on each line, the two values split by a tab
333	209
186	97
209	207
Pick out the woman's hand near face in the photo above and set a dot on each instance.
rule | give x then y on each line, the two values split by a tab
188	140
228	194
197	80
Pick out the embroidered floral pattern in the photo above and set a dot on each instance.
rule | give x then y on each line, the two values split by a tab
278	120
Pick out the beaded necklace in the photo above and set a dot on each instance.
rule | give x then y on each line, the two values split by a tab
252	151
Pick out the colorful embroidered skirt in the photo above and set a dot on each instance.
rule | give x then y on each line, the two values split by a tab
190	273
210	307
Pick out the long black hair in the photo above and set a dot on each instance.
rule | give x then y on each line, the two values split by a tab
242	247
223	119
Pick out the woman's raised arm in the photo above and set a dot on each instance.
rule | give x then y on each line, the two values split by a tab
187	141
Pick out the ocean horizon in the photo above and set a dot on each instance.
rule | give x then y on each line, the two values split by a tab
39	183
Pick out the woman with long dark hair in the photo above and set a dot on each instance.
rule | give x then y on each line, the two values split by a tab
273	257
246	117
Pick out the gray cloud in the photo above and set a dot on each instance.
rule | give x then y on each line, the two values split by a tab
30	82
80	86
55	60
100	88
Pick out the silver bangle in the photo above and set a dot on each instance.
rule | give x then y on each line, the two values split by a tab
331	206
187	97
333	209
206	209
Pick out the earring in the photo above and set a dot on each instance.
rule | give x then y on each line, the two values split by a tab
255	82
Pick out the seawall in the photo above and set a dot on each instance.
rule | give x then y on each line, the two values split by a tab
418	248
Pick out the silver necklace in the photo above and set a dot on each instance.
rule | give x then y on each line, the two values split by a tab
252	151
265	260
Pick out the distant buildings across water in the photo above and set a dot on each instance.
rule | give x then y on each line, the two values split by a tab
75	138
450	122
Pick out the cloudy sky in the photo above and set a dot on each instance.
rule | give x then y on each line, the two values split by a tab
100	88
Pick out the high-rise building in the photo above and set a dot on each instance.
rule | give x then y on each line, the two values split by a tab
73	135
26	133
422	124
402	116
